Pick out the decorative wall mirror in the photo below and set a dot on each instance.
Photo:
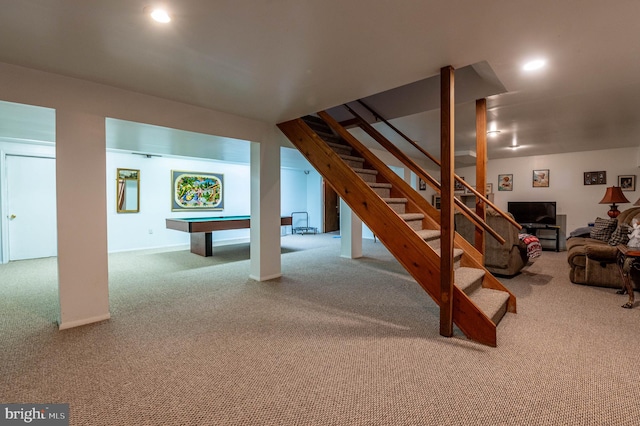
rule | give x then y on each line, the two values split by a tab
128	191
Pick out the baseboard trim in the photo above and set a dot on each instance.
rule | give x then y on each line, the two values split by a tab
267	278
78	323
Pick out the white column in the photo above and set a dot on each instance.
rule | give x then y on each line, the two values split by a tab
83	281
265	210
350	233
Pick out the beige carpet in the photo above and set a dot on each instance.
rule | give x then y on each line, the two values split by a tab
193	341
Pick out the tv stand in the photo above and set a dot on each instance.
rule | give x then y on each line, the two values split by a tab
534	228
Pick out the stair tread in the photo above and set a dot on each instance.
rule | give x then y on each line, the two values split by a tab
351	158
395	200
338	145
365	171
379	185
491	302
468	279
412	216
428	234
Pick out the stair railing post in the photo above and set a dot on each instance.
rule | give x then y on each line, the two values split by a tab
446	201
481	170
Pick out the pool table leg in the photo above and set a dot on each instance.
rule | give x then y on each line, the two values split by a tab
201	244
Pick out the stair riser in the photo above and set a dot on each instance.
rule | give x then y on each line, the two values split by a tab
383	192
354	163
367	177
435	243
341	150
498	315
416	225
473	287
398	207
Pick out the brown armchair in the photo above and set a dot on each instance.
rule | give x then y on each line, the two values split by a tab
500	259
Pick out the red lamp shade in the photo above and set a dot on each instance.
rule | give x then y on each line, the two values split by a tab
612	196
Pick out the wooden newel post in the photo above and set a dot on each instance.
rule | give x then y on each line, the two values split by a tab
446	200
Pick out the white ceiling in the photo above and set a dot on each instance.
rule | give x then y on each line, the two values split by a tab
274	60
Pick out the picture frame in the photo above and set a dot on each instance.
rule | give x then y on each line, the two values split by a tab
505	182
422	185
595	178
540	178
435	201
627	182
489	189
196	191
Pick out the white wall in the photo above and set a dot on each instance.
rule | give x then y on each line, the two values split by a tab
578	201
147	229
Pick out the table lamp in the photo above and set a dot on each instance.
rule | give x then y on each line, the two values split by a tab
612	196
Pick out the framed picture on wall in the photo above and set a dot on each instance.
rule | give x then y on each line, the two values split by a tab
489	189
595	178
505	182
422	185
627	182
196	191
540	178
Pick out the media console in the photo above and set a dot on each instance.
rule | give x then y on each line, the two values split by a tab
534	228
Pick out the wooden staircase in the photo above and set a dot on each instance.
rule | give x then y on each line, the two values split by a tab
404	222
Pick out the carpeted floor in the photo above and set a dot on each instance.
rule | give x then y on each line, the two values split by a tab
194	341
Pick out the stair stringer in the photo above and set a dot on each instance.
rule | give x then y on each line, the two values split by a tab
416	256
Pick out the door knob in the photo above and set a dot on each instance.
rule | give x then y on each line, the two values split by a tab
13	216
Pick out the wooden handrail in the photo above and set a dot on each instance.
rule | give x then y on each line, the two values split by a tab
414	167
435	160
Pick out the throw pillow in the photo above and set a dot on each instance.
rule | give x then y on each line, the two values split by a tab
603	228
620	235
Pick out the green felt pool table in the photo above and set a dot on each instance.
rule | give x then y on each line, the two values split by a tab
201	228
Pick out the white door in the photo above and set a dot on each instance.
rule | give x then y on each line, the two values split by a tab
31	207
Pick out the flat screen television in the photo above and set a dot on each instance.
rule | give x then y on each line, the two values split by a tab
533	212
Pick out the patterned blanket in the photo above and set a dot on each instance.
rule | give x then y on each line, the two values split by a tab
534	249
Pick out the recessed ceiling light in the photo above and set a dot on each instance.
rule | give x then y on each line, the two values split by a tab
158	15
493	132
536	64
514	147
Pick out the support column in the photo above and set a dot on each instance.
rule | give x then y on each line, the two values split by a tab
447	158
83	282
350	233
481	169
265	261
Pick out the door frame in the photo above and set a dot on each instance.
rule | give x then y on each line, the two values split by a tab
4	186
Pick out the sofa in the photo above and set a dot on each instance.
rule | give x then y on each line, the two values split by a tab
592	256
501	259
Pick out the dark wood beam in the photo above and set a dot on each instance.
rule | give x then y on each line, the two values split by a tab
481	169
447	156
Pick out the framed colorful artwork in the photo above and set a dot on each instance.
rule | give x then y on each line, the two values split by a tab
196	191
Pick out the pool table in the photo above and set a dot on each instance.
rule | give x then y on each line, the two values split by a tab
200	229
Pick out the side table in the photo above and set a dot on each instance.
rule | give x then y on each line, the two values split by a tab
628	257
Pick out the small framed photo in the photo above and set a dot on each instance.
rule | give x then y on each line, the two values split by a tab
436	201
505	182
422	185
627	182
540	178
489	189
